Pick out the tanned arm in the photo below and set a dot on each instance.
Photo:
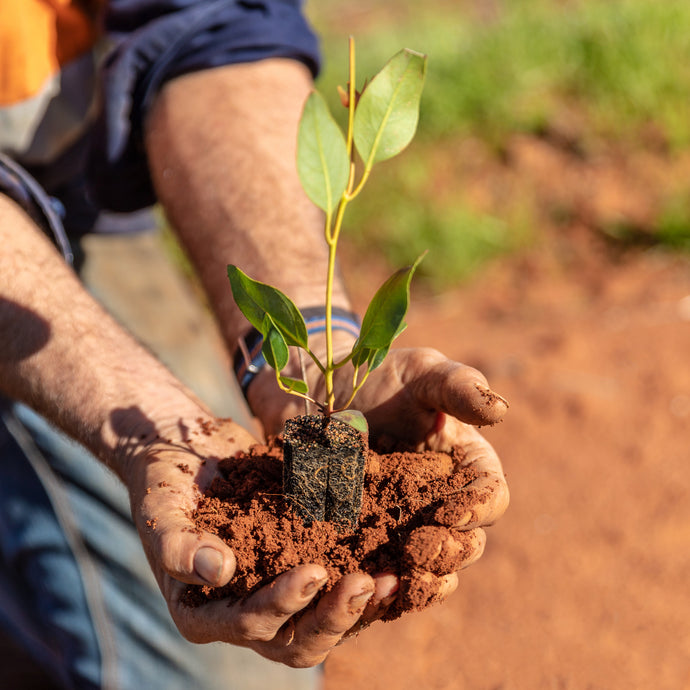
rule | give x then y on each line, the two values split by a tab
222	151
66	358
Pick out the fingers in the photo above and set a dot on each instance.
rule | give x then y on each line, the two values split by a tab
386	588
255	620
259	622
434	557
321	628
409	396
486	498
268	620
443	551
425	588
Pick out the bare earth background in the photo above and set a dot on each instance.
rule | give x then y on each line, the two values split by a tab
584	582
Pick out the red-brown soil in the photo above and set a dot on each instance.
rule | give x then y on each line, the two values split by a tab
584	582
404	526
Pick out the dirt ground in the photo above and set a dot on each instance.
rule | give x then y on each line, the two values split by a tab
584	582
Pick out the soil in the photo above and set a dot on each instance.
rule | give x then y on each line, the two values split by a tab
404	526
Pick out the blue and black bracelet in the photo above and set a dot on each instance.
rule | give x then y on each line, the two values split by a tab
249	360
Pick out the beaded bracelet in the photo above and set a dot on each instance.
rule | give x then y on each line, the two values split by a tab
249	360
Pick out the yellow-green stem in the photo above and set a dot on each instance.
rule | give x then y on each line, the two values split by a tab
328	374
291	391
333	234
356	386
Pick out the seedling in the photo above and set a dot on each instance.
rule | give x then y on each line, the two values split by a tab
323	467
382	121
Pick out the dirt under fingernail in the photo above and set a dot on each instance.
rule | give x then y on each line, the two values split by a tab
359	601
313	586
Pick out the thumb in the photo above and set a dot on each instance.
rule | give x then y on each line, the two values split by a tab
175	546
460	391
190	556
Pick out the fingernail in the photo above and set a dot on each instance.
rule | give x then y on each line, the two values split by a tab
208	564
387	601
387	584
465	519
359	600
490	395
313	586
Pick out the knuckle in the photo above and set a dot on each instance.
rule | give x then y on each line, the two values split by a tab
324	626
194	636
190	630
500	501
476	546
249	629
504	496
300	658
427	357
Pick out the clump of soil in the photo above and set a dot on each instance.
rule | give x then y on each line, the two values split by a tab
405	526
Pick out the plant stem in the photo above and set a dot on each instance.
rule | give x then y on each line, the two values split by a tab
352	97
291	391
332	234
328	374
356	386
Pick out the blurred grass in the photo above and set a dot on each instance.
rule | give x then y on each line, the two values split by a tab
493	72
501	68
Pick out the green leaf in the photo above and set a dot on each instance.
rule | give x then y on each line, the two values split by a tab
385	316
354	418
360	355
256	300
274	348
296	385
388	111
372	358
322	161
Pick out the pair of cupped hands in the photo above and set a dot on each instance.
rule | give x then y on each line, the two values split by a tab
417	398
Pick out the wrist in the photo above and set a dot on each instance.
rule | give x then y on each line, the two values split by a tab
249	362
273	406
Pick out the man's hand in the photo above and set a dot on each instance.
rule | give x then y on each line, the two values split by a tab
419	399
415	393
164	481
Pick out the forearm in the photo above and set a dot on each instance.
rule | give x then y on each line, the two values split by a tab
66	358
222	150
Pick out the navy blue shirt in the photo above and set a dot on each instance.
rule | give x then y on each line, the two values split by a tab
148	43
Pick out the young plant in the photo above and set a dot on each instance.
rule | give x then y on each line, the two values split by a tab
382	121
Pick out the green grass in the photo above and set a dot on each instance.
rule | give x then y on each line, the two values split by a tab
623	62
619	65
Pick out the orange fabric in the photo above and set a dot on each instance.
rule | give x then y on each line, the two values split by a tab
37	37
